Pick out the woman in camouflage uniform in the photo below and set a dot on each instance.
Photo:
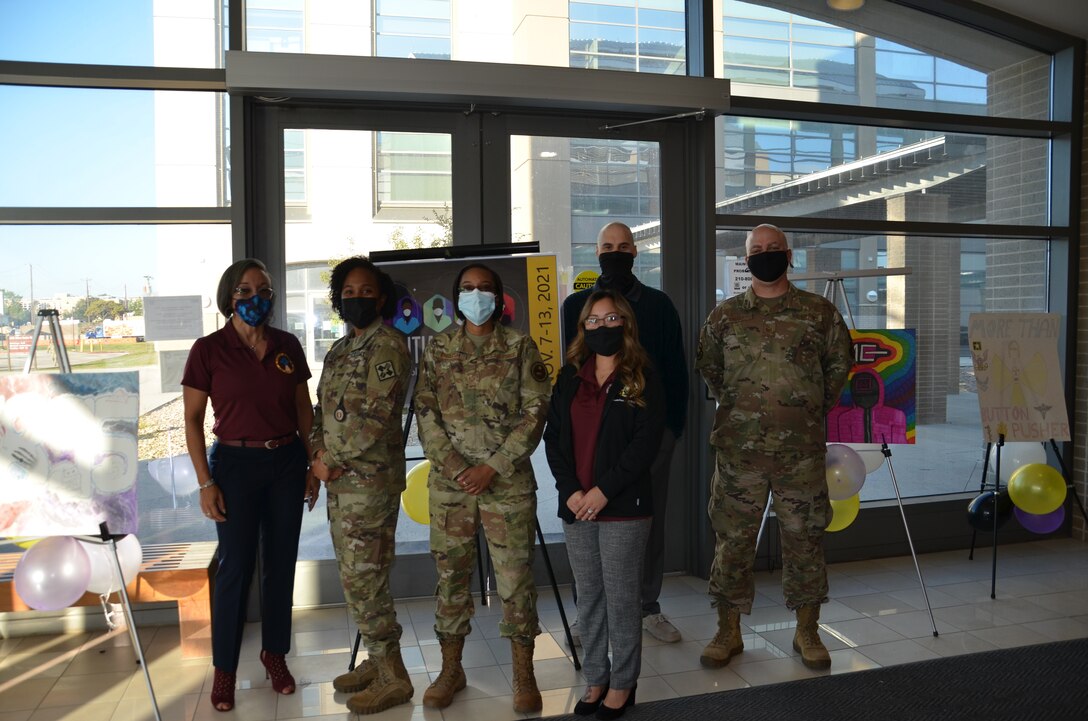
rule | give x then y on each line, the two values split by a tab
481	398
358	450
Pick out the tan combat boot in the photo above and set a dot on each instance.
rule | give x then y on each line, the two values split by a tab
452	677
389	688
365	672
356	680
727	643
526	694
806	640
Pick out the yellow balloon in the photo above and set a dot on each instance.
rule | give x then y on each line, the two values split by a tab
846	511
414	498
1037	488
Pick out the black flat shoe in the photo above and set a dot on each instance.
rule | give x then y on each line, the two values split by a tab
607	713
587	708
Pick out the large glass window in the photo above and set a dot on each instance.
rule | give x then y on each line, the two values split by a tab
118	32
98	278
637	35
82	147
797	168
884	55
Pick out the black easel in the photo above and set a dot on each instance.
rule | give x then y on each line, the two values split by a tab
485	576
1070	489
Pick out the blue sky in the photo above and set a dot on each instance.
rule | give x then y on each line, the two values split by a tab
76	147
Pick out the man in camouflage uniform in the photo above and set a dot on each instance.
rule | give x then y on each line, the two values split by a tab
358	448
776	359
481	402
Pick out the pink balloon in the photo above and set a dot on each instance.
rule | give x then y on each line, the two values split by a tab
52	574
845	472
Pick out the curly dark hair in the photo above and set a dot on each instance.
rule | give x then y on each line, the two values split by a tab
497	315
340	274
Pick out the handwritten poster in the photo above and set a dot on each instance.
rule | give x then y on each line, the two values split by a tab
68	455
878	404
1020	390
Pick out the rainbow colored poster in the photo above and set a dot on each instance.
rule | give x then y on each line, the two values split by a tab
877	404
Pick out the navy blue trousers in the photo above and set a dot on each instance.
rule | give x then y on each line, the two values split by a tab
263	492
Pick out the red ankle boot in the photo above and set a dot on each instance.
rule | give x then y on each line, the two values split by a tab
275	667
223	690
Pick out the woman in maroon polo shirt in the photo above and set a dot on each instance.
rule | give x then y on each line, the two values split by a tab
604	428
255	376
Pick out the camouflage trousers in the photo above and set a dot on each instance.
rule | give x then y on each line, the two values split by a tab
509	523
364	527
738	499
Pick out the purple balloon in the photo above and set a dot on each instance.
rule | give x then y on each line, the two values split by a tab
1040	523
52	574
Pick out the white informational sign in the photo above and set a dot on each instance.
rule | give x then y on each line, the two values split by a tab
68	453
1020	390
171	368
738	279
173	317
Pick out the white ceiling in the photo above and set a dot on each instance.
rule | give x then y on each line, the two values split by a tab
1068	16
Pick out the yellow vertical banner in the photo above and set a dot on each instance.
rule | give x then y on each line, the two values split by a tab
543	291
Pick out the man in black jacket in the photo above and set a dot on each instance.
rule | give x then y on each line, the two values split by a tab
660	334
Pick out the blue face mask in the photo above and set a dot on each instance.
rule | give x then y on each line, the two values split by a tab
476	305
253	310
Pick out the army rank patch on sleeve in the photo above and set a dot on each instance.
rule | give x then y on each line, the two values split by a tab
385	371
539	372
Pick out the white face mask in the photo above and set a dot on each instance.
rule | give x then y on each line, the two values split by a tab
407	312
438	312
477	305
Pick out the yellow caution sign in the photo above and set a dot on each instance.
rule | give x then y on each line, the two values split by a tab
585	280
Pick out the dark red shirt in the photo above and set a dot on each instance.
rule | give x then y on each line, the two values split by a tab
251	399
585	420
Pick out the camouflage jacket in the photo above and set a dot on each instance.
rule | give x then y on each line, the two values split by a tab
776	366
485	405
360	401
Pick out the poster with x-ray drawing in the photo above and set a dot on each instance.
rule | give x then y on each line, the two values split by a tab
68	453
1020	390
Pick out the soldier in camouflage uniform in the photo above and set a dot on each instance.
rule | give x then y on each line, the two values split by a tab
358	450
482	399
776	359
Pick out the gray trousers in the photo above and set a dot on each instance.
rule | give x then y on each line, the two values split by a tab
606	558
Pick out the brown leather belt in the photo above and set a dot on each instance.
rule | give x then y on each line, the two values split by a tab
271	444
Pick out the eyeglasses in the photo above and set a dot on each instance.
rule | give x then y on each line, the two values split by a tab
246	293
610	320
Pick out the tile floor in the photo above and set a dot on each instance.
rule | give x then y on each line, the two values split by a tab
876	617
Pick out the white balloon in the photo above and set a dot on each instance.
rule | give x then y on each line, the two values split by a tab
185	481
870	454
103	571
1015	456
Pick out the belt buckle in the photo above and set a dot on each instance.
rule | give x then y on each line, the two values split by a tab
272	444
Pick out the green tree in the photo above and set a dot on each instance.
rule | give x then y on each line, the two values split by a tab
136	306
97	310
443	220
13	308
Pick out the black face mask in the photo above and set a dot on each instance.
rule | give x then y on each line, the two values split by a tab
769	265
616	270
360	312
605	341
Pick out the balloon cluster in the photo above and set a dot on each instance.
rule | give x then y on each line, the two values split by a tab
56	571
845	471
1036	489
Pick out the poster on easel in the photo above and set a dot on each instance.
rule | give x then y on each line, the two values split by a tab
1021	395
878	403
68	453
